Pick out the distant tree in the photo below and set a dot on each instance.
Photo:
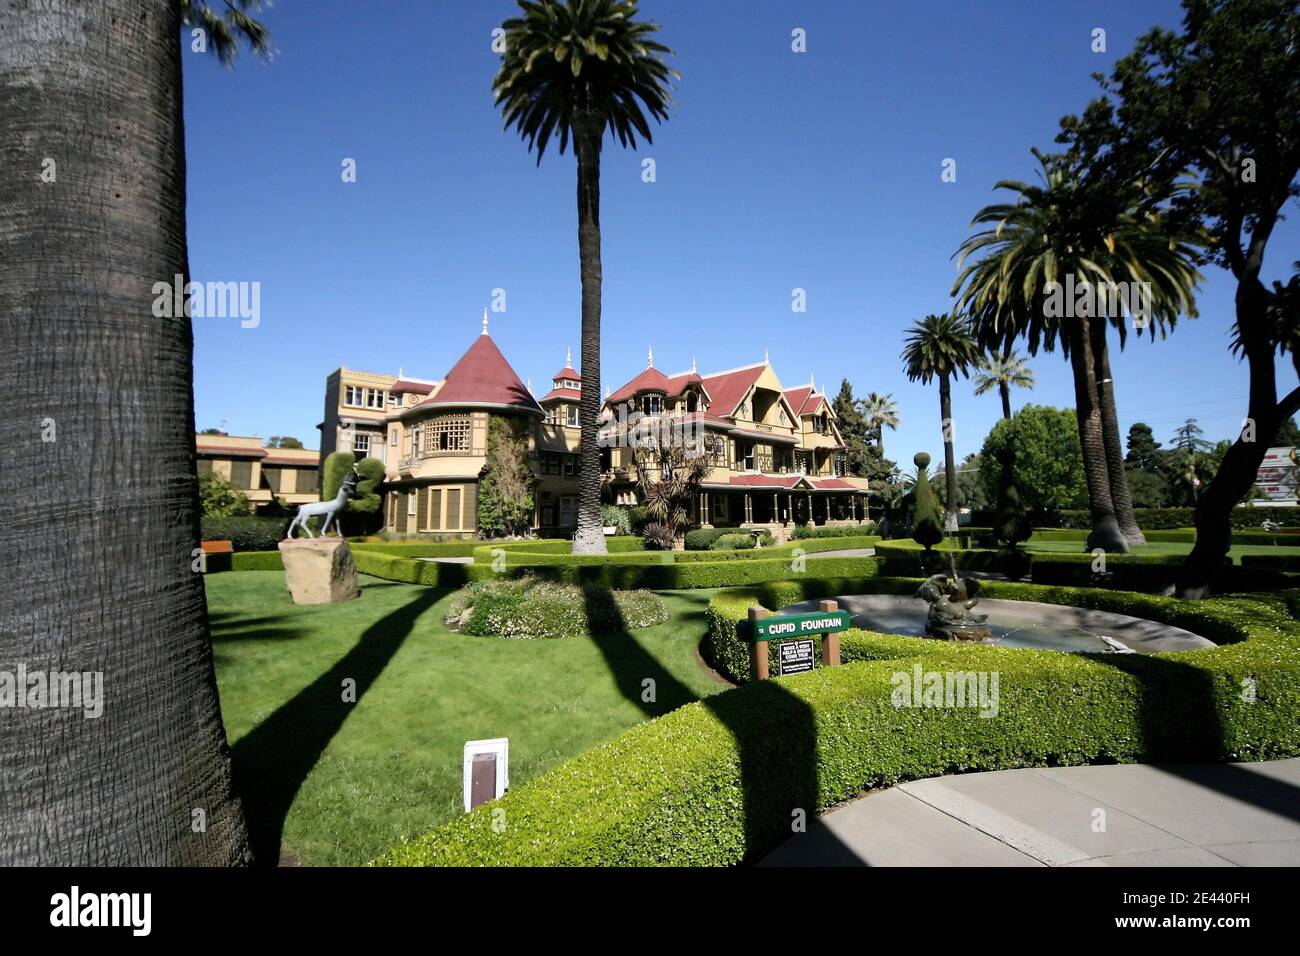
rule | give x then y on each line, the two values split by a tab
970	489
1003	371
212	431
879	412
927	525
1188	437
941	347
506	485
1147	466
1049	464
1012	523
854	429
1287	436
283	441
218	498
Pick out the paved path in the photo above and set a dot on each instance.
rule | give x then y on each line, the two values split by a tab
1244	814
464	560
847	553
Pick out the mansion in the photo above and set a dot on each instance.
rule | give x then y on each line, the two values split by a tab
776	455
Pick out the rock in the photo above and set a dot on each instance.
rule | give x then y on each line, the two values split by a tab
319	570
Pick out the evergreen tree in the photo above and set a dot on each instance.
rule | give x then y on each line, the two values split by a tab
854	429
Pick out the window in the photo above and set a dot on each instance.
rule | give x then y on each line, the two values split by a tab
573	415
551	462
376	398
453	509
392	437
567	510
570	466
241	474
652	404
745	455
361	444
354	395
305	481
447	434
410	504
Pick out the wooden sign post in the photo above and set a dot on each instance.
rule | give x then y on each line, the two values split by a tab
764	627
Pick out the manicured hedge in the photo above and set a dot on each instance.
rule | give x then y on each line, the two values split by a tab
1273	562
256	561
394	567
701	538
246	532
805	532
1170	518
716	782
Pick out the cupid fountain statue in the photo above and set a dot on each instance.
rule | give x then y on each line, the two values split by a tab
951	598
330	510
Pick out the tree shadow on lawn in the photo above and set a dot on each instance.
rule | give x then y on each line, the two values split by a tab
774	730
272	760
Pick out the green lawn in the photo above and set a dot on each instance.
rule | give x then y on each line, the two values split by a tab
335	783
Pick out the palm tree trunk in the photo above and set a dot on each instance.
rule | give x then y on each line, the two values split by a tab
949	461
99	490
1005	389
1106	532
1120	496
587	133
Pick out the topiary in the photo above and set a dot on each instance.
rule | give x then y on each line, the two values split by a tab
365	509
1011	522
927	527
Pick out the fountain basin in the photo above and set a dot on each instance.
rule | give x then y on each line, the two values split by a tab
1052	627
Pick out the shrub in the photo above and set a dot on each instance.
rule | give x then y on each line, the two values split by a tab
245	532
701	538
530	608
715	782
218	498
805	532
613	516
733	542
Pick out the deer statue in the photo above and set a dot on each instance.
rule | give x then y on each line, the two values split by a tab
329	510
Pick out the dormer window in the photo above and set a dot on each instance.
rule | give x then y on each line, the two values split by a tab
652	404
572	418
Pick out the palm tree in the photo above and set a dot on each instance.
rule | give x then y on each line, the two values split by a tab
941	346
1003	371
101	501
880	412
1096	235
577	68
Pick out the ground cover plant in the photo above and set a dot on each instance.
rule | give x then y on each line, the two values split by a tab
530	608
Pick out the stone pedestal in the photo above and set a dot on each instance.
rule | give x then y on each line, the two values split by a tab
319	570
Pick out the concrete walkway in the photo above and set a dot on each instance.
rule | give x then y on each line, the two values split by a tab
1244	814
846	553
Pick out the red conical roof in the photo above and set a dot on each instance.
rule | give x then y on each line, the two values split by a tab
483	377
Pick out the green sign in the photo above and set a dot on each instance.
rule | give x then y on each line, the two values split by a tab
781	627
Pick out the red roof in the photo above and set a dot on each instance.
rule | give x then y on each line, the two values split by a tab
567	374
568	394
834	484
650	380
405	385
728	388
482	377
803	400
300	462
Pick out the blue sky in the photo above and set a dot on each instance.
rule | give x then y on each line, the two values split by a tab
776	171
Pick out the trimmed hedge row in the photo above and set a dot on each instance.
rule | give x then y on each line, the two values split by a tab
715	782
245	532
1125	572
806	532
1173	518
